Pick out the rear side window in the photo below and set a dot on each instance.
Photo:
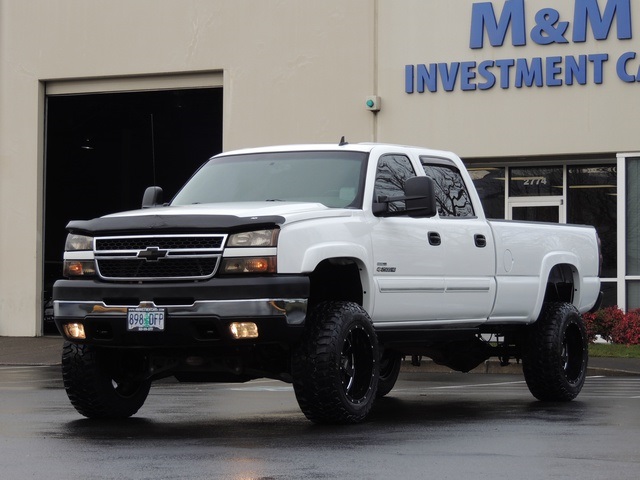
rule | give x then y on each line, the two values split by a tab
392	172
452	195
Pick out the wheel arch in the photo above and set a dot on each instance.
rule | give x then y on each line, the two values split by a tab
340	279
560	281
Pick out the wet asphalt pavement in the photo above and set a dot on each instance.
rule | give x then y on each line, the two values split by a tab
432	425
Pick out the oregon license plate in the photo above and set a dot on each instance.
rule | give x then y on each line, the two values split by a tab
143	319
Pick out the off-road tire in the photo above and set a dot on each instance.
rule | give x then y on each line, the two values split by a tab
102	383
335	367
556	354
390	362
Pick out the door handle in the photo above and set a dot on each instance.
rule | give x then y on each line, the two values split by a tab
480	240
434	238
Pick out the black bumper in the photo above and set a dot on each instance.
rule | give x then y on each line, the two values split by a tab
197	314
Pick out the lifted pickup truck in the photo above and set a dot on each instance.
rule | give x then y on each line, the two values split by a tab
322	266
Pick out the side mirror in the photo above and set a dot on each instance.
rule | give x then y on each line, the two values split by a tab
152	197
421	197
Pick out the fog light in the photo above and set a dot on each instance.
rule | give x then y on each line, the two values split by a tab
243	330
74	330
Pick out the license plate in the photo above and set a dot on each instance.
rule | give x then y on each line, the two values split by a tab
144	319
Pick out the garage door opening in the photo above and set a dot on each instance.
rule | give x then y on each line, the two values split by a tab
103	150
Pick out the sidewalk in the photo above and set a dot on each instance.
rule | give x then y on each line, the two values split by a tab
22	351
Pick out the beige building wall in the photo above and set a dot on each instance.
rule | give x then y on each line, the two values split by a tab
293	71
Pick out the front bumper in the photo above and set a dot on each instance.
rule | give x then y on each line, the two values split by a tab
197	313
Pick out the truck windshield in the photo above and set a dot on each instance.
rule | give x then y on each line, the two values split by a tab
334	179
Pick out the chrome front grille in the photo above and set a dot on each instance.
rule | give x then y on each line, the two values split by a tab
158	257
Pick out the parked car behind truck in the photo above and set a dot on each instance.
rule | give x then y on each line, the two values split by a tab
322	266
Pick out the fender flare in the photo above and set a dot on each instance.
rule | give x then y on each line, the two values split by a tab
550	261
333	250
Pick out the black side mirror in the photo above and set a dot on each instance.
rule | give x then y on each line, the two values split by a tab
152	197
421	197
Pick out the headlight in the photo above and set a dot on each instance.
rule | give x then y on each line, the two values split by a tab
257	238
78	242
78	264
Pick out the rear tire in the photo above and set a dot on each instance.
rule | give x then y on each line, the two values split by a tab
390	362
335	367
102	383
556	354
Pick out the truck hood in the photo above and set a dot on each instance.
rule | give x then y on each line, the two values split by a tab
240	209
204	218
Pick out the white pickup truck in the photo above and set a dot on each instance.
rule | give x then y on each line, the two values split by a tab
322	266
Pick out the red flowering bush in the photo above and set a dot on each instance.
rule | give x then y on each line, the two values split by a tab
627	331
603	322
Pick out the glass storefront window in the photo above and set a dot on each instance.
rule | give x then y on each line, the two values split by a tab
591	200
633	217
490	184
633	295
535	181
536	214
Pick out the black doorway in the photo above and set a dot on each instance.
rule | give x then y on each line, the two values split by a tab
103	150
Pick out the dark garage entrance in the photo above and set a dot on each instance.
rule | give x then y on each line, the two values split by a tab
103	150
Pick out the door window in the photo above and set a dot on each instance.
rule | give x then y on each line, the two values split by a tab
393	171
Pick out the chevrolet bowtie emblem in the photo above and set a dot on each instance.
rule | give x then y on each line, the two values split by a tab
152	254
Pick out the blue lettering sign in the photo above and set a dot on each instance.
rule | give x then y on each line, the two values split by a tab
527	75
552	71
448	76
483	18
621	67
577	70
504	66
483	70
549	28
588	10
598	60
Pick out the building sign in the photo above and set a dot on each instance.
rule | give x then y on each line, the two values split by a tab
601	19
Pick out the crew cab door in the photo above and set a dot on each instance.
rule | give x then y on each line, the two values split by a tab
467	243
409	263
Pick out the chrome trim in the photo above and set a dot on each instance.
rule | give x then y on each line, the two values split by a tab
294	309
171	254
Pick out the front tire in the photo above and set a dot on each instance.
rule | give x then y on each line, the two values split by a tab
102	383
335	367
556	355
